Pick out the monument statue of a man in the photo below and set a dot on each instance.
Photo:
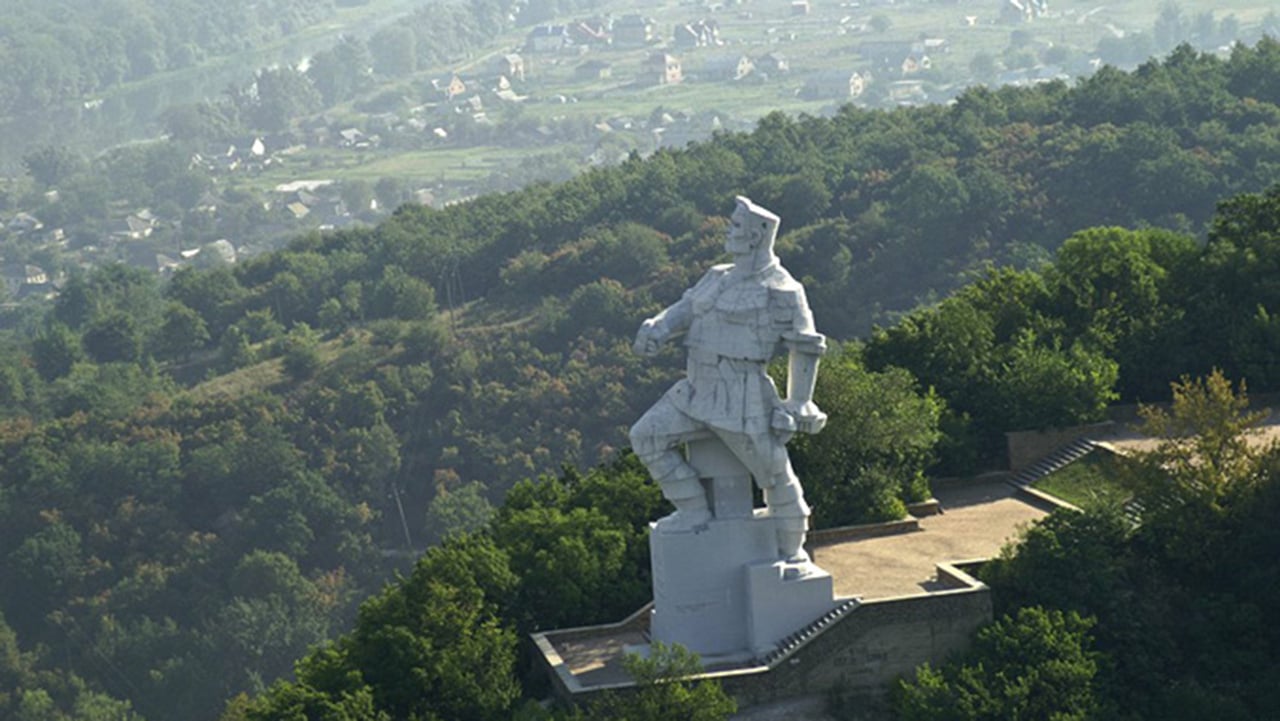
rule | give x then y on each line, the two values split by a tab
734	321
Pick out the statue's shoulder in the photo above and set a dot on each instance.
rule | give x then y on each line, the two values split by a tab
713	275
782	284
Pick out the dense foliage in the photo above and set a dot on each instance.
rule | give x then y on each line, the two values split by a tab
441	644
1182	603
1035	665
201	480
54	51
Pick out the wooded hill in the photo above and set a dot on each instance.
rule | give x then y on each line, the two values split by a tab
199	481
55	51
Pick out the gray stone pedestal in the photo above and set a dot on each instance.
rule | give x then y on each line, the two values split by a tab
720	590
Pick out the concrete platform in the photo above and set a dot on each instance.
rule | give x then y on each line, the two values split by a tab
977	520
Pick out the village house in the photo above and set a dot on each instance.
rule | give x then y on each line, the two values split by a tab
510	66
633	31
697	34
593	70
1022	11
661	69
548	39
773	63
914	63
503	91
834	85
23	280
727	68
907	92
799	7
24	223
592	32
450	87
132	227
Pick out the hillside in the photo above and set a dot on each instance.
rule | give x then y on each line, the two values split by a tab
182	534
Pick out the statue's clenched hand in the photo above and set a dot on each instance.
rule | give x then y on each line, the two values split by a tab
648	339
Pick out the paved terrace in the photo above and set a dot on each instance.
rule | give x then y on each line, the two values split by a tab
1125	438
977	521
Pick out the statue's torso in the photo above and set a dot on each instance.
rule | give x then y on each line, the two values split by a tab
737	324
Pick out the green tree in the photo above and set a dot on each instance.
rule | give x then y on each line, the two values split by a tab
462	510
873	453
181	332
49	165
357	195
113	338
55	351
1204	458
283	94
432	646
1043	385
395	51
665	689
1037	664
1120	289
47	567
339	72
301	352
403	296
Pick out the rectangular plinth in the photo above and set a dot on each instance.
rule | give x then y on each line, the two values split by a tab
699	588
782	598
721	592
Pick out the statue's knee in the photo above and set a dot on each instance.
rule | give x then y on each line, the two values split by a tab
786	500
643	438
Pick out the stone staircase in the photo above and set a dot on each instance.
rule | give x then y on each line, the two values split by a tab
1060	459
792	643
1057	460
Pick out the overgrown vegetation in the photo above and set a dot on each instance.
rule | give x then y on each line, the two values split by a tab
1179	606
176	546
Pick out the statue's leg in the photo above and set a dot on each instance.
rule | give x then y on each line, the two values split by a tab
785	499
766	457
656	440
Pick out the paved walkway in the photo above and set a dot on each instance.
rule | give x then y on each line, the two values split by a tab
979	519
1126	438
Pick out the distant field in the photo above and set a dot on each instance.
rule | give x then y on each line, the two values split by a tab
452	163
827	38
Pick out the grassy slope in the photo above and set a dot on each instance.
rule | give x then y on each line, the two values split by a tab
1090	481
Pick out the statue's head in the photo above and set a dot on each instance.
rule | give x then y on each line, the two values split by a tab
751	229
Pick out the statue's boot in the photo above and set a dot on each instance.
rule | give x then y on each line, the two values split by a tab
785	500
680	485
691	513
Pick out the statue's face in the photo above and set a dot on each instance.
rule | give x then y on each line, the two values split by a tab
742	239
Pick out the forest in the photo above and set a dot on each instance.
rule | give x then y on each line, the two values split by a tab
55	51
205	481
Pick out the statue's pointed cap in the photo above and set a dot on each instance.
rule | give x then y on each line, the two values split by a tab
769	219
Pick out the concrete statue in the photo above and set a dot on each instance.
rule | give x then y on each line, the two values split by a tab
728	576
733	321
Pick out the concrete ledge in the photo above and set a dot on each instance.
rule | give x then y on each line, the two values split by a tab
930	507
1045	501
866	530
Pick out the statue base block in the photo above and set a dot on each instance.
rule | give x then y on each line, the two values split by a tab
720	591
782	598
